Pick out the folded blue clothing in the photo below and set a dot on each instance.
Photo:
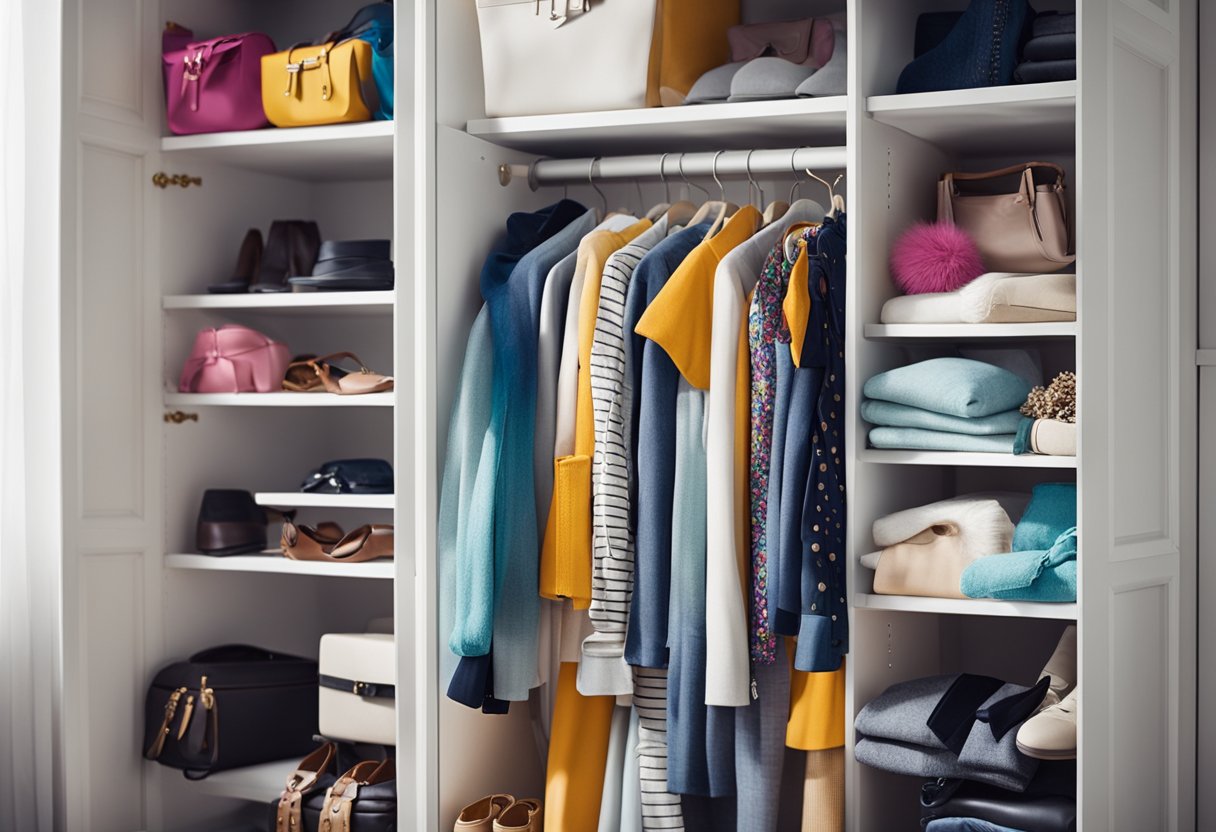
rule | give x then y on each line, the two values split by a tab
915	439
1047	576
965	825
1051	512
890	414
953	386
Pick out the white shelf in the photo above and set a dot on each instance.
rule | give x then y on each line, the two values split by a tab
283	399
259	784
1019	118
371	303
955	332
273	561
332	152
965	606
964	459
296	499
754	124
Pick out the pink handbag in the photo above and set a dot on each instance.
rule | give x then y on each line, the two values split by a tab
234	359
214	85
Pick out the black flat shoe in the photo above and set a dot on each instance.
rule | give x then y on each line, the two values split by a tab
248	262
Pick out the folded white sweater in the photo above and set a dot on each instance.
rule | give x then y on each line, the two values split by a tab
996	297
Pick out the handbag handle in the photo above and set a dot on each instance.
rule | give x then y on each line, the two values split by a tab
1006	171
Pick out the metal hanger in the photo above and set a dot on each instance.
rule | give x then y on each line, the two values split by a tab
595	187
679	212
688	184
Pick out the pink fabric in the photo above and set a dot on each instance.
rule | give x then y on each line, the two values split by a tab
808	42
234	359
937	257
216	85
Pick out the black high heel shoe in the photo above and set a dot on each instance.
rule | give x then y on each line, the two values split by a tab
292	245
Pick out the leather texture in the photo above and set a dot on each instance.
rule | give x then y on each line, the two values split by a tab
1024	231
248	264
228	707
291	248
374	24
953	798
350	265
233	359
328	84
554	57
363	799
215	85
480	815
306	779
350	476
356	696
230	523
365	543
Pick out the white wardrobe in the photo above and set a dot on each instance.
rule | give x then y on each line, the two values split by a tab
135	261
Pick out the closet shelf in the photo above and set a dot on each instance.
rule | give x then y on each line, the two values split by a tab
301	303
296	499
956	332
173	399
1015	119
741	126
315	154
962	459
259	784
965	606
273	561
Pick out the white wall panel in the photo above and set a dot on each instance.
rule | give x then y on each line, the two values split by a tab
112	63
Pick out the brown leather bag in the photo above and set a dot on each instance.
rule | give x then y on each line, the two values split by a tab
1024	231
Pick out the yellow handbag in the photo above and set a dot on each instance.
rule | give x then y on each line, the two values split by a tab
327	84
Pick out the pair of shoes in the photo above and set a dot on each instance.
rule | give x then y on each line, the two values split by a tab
326	542
309	374
291	249
318	771
500	813
1051	734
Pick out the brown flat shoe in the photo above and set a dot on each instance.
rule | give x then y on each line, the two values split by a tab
520	816
368	542
480	816
342	383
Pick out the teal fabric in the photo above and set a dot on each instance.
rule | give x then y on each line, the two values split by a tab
1049	576
953	386
1051	512
915	439
1021	445
889	414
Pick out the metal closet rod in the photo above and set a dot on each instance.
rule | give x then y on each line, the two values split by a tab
674	166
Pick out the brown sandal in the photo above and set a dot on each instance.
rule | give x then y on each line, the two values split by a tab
312	375
363	544
336	811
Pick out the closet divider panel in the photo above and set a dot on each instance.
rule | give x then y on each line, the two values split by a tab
1136	148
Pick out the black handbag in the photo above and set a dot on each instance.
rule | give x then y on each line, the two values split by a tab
351	476
1043	810
229	707
317	799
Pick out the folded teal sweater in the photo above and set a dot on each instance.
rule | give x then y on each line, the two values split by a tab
953	386
889	414
937	440
1051	512
1049	576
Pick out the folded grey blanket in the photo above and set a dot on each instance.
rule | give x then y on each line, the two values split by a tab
893	735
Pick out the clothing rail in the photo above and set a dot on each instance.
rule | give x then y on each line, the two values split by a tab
673	167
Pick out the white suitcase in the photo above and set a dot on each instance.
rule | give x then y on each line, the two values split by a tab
357	699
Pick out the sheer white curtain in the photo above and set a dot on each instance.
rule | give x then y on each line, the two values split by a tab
29	551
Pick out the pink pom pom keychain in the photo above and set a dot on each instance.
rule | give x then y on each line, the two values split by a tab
934	257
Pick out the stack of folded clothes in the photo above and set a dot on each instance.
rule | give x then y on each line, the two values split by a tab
926	549
992	298
1051	52
945	404
1049	803
1042	565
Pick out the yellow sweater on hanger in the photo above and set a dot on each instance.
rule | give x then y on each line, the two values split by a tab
565	563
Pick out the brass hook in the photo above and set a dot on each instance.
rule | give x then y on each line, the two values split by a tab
163	180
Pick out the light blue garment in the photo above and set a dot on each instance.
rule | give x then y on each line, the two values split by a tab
615	781
889	414
936	440
965	825
1051	512
784	623
700	738
953	386
1048	576
466	430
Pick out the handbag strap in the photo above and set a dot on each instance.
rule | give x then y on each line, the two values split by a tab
340	799
302	781
1006	171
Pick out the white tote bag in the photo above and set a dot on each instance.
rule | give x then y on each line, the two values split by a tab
564	56
357	699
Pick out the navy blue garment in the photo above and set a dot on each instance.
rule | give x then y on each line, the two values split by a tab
980	51
824	633
653	418
514	307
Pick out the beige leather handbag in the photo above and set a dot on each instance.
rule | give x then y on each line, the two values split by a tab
1025	231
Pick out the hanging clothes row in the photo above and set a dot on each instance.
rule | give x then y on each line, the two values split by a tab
642	517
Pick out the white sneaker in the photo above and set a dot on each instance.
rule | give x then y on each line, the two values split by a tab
1062	668
1051	734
